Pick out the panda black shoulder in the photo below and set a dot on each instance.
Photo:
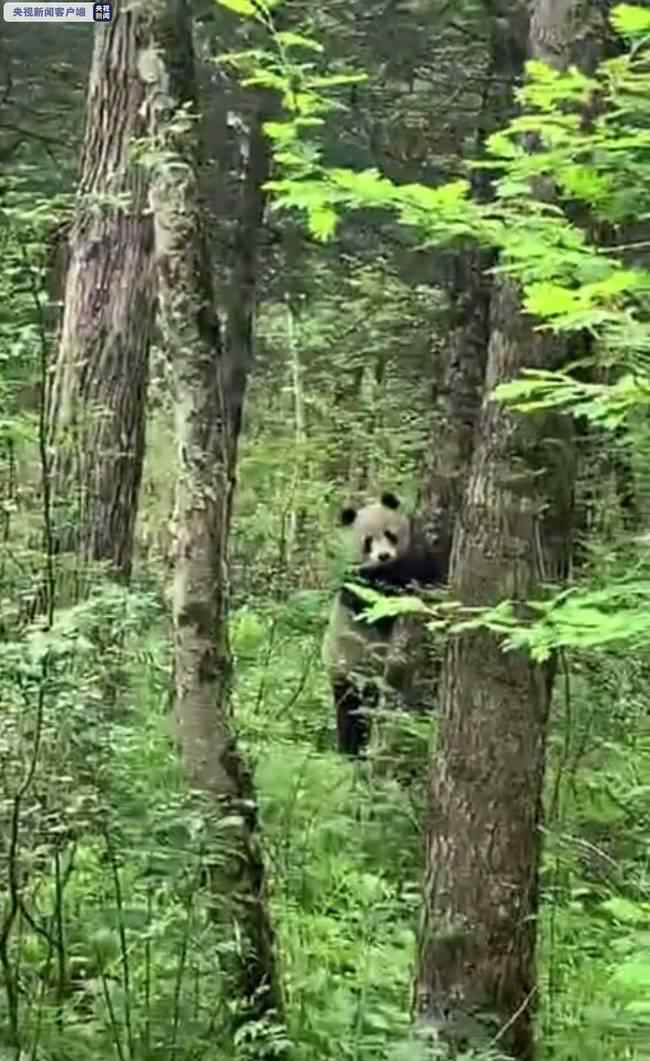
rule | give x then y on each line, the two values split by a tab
418	565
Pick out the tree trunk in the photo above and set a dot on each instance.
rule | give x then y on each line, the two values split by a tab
458	383
243	278
295	518
96	407
208	381
459	369
476	970
460	366
476	976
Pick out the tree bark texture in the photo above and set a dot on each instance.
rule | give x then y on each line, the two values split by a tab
476	968
97	395
476	975
459	371
208	390
457	389
242	291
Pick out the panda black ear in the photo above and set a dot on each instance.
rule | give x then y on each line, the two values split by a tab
348	516
389	500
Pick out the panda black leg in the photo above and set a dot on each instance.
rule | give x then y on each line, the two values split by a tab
352	721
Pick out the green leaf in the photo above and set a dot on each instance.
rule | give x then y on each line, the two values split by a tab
634	973
281	132
626	911
322	222
586	183
295	40
268	79
501	145
240	7
630	20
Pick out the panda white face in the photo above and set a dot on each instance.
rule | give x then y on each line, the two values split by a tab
380	532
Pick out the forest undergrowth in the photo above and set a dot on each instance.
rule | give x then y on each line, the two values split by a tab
107	949
115	956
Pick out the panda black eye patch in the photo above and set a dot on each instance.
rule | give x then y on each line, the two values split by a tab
392	537
367	544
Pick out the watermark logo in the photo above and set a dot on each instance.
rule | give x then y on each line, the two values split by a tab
19	12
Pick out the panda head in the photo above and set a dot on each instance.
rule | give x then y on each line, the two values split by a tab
380	532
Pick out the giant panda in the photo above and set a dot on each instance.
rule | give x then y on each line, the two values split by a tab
360	656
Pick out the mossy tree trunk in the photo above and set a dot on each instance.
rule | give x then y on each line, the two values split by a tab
98	384
208	385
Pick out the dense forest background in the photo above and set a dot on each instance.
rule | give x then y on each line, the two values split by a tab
197	370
